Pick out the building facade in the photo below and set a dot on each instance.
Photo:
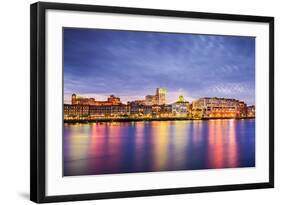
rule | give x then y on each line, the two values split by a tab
79	100
76	111
251	111
161	96
154	106
181	108
218	108
158	99
150	100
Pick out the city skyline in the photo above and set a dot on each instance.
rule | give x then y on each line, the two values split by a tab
179	98
155	107
98	63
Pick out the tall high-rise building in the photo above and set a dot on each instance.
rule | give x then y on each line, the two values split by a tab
73	99
161	96
158	99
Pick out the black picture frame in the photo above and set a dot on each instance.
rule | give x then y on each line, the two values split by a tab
38	101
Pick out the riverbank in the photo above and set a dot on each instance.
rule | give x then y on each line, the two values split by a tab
147	119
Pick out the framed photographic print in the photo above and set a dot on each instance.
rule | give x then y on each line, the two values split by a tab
129	102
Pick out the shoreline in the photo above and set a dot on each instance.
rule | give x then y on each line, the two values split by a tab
149	119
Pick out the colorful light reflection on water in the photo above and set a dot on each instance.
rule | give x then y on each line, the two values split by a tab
126	147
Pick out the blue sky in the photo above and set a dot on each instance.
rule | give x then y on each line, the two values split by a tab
131	64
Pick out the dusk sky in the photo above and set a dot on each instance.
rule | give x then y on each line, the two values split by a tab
130	65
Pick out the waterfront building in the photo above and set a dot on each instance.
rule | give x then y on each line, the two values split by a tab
154	106
79	100
136	110
251	111
218	108
243	109
139	110
166	111
76	111
108	111
156	110
99	111
180	108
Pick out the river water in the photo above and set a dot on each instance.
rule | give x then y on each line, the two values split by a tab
127	147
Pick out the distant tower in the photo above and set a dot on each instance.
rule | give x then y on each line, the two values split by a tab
73	99
181	98
161	96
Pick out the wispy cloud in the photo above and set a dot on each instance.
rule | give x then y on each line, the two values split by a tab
133	64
